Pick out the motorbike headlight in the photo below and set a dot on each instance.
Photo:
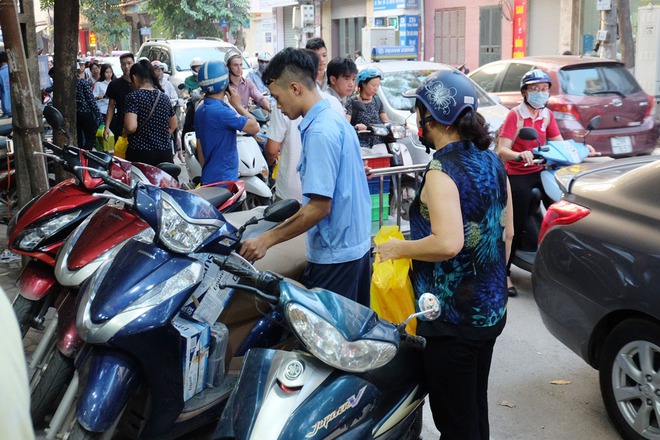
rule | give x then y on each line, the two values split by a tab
379	130
181	233
161	292
31	237
398	131
328	344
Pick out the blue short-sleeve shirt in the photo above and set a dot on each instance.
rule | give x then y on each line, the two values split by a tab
215	126
331	166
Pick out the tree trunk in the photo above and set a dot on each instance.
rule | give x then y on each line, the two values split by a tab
25	105
625	33
65	25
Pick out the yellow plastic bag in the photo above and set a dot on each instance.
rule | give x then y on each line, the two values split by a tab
121	146
103	144
392	295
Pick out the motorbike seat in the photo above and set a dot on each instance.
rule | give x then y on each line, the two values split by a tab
170	168
215	195
535	200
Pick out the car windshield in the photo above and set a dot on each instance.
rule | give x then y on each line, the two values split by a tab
395	83
184	56
603	80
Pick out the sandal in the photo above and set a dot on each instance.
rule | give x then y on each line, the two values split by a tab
512	291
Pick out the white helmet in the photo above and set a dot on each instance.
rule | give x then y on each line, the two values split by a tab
232	53
196	62
263	56
159	65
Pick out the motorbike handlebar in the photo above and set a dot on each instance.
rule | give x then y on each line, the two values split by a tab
266	284
115	184
418	342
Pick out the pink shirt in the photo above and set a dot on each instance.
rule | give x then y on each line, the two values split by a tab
510	127
247	89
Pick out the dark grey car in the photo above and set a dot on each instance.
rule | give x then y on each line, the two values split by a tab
596	281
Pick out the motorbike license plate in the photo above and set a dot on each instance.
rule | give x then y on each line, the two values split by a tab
621	145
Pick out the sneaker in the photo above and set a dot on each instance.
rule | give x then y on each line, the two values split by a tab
8	256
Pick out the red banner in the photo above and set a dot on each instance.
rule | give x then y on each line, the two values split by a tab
519	28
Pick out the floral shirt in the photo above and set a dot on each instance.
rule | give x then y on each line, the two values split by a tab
471	286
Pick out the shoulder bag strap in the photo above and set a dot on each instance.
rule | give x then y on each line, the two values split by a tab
153	107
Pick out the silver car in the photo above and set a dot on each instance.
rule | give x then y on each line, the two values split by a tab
178	54
399	76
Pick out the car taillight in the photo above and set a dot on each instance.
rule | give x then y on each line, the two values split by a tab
561	213
650	110
564	110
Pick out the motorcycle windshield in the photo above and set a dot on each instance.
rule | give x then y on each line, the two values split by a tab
353	320
183	221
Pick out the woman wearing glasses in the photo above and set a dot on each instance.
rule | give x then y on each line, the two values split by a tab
516	153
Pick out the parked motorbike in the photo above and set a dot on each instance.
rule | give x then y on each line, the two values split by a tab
93	242
39	230
40	227
403	186
133	372
554	155
252	168
356	376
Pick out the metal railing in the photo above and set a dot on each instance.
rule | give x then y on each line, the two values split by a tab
396	193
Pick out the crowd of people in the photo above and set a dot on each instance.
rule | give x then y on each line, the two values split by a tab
462	220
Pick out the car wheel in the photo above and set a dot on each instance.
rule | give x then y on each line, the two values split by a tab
630	380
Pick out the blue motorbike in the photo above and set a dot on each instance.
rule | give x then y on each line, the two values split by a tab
163	338
553	156
353	376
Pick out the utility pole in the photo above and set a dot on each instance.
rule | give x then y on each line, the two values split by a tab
608	31
26	106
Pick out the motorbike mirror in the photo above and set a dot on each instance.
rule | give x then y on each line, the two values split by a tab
359	105
282	210
429	307
528	134
594	123
54	117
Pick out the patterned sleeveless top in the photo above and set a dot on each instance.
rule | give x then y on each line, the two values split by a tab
471	286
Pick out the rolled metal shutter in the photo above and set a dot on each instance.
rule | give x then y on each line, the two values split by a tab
543	27
289	32
344	9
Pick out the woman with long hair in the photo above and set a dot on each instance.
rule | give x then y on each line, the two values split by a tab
150	118
101	86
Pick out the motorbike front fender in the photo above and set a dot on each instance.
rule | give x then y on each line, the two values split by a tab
37	280
550	185
256	186
108	380
68	339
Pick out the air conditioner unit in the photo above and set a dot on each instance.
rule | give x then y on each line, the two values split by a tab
303	16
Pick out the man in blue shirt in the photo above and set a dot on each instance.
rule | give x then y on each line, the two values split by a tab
5	91
336	212
216	124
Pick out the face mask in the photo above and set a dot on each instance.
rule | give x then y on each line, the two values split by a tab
421	134
538	100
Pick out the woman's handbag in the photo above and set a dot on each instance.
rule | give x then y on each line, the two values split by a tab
392	295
